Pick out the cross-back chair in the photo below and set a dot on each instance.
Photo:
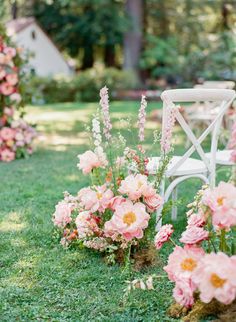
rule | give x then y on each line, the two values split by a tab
185	167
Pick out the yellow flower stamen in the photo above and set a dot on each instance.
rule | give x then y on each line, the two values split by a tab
216	281
188	264
129	218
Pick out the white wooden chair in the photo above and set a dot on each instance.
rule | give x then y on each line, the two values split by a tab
184	167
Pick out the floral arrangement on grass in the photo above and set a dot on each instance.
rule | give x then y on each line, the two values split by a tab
203	266
115	214
16	135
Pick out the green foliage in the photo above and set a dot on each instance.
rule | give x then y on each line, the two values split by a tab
84	86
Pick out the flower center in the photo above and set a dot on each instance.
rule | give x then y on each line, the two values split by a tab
216	281
140	184
188	264
99	195
220	201
129	218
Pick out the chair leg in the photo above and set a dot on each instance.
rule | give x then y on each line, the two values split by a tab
174	206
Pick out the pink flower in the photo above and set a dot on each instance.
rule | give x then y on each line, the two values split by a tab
6	133
142	118
6	89
215	277
2	73
104	197
196	220
9	111
183	262
233	156
163	235
222	202
10	52
152	199
170	118
15	97
88	199
12	79
86	224
62	215
193	235
129	220
7	155
116	201
134	186
104	103
183	292
88	161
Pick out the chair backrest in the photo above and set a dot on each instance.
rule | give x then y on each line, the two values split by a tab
216	84
224	97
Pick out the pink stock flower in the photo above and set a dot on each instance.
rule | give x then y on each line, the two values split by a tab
7	155
62	215
104	103
222	202
170	118
196	220
6	133
134	186
193	235
12	79
86	224
142	118
6	89
88	161
163	235
215	277
183	262
129	220
183	292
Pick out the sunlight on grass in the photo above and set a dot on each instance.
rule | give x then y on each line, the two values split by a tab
11	223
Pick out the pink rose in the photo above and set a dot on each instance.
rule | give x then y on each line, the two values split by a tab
62	215
6	89
183	292
12	79
6	133
193	235
88	161
88	199
7	155
152	199
197	220
163	235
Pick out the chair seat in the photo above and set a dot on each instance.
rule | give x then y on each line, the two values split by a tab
189	167
222	157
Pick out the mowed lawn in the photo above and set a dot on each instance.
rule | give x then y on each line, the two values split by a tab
41	281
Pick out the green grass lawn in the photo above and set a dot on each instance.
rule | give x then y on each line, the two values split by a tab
39	280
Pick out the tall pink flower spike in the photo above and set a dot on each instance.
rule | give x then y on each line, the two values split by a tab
104	103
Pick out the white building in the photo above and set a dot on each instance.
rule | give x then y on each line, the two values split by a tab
46	59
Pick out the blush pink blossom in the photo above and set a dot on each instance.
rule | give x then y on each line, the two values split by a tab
142	118
6	133
222	202
129	220
215	277
104	103
163	235
7	155
15	97
2	73
12	79
134	186
62	215
104	197
86	224
183	292
88	199
152	199
116	201
88	161
183	262
193	235
10	52
197	220
6	89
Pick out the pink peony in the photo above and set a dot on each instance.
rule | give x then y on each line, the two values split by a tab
12	79
215	277
183	262
104	197
6	89
183	292
129	220
7	155
222	202
88	161
86	224
116	201
134	186
88	199
6	133
62	215
163	235
196	220
193	235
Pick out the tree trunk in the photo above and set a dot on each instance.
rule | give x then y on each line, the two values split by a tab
88	57
109	56
14	9
133	37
